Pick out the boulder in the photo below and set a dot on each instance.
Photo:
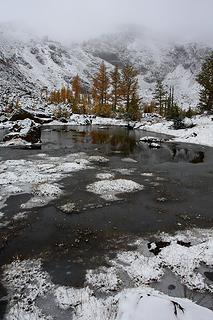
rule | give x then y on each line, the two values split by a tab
26	130
22	114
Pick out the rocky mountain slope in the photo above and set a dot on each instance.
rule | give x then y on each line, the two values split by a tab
28	63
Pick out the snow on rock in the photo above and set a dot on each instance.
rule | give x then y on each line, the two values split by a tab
150	139
77	119
68	207
47	190
109	190
99	159
23	132
143	304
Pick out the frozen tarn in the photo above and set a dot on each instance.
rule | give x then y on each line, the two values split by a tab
109	189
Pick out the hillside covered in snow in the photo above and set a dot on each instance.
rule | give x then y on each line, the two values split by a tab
29	63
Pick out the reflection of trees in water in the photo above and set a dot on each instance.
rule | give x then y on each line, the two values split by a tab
79	137
123	142
187	155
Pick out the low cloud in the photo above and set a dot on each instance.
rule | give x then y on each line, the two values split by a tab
82	19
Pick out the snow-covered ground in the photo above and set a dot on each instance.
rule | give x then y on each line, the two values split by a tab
120	292
201	133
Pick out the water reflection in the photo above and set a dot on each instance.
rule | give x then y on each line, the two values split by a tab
119	140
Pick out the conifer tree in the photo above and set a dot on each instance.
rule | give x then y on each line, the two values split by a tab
160	96
205	79
134	108
170	105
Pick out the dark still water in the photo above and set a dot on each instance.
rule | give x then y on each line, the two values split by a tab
177	194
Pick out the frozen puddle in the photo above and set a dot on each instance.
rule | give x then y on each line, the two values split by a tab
38	176
109	189
120	292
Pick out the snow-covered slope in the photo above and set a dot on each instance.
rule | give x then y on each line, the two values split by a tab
174	62
28	63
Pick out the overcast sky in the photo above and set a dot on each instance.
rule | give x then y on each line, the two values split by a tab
80	19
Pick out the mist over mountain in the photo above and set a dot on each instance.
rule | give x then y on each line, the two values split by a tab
29	63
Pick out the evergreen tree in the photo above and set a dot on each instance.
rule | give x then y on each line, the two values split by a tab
170	107
205	79
134	108
160	96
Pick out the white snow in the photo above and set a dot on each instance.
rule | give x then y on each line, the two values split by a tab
105	176
20	216
99	159
38	176
109	190
103	279
125	171
143	305
26	283
202	133
130	160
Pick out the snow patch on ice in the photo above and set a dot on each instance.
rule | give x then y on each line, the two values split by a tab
38	176
109	190
105	176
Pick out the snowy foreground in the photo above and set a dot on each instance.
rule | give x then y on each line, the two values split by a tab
123	291
105	296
